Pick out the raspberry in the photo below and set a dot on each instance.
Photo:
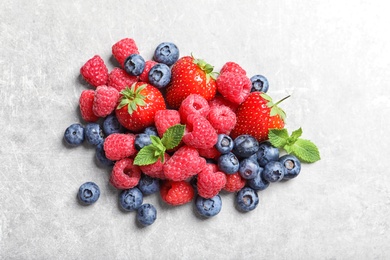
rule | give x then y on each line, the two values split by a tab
234	87
183	164
119	146
219	100
86	105
144	77
119	79
123	49
156	169
105	101
200	133
209	153
222	118
94	71
193	104
232	67
125	175
234	182
209	182
176	192
163	119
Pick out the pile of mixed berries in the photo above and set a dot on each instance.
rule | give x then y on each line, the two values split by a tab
171	125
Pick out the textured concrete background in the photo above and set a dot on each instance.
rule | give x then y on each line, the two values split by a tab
332	57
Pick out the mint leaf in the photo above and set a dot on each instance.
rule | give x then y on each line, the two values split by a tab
173	136
147	155
157	143
296	134
278	137
305	151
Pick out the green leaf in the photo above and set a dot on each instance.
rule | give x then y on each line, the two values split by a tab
278	137
173	136
296	134
305	151
157	143
147	155
266	97
122	103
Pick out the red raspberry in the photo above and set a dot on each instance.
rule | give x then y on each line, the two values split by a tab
220	100
125	175
86	104
118	146
210	183
222	118
232	67
193	104
123	49
94	71
199	133
105	101
183	164
176	192
156	169
234	87
164	119
119	79
234	182
209	153
144	77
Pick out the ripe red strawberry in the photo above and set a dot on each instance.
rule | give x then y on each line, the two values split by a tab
209	182
125	175
190	76
138	106
94	71
105	100
119	79
176	192
86	105
123	49
256	115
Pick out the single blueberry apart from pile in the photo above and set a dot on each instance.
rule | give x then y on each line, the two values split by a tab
245	146
292	165
141	140
259	83
111	125
146	214
74	134
267	153
247	199
228	163
224	144
274	171
101	156
88	193
94	133
148	185
159	75
248	169
208	207
166	53
258	183
131	199
134	64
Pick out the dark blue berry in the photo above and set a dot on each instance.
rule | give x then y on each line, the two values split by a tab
228	163
273	171
267	153
151	130
74	134
224	144
131	199
245	146
148	185
111	125
101	156
159	75
88	193
146	214
259	83
247	199
292	165
94	133
134	64
141	140
258	183
249	169
166	53
208	207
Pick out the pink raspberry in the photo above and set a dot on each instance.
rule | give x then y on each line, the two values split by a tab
193	104
234	87
222	118
94	71
209	153
105	101
163	119
118	146
125	175
199	133
231	66
210	183
144	77
86	105
176	192
234	182
123	49
183	164
219	100
156	169
119	79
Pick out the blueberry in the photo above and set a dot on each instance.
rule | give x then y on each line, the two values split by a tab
88	193
274	171
101	155
258	183
134	64
151	130
208	207
228	163
131	199
148	185
159	75
247	199
249	169
245	146
74	134
141	140
259	83
146	214
267	153
292	165
111	125
94	133
224	144
166	53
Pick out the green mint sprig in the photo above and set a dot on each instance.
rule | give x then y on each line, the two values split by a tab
303	149
156	150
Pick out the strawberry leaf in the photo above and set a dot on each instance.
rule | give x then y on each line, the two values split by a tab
173	136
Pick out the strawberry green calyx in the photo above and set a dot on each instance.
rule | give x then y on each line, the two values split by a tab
207	68
275	110
132	97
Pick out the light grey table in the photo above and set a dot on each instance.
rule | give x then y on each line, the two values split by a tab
332	57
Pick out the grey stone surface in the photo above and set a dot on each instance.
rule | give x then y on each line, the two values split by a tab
331	56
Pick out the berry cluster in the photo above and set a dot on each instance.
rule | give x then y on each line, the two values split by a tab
173	126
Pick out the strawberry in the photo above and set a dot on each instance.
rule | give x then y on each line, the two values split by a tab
190	76
256	115
138	106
